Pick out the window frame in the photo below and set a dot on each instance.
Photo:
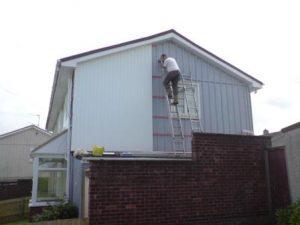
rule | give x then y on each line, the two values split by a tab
185	115
37	169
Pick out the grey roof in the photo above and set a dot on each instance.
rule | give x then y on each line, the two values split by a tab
24	129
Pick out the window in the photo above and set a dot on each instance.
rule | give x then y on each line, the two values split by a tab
51	179
192	95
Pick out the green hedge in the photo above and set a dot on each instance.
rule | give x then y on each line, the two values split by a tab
289	215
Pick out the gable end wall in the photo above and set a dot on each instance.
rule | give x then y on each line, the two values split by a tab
225	103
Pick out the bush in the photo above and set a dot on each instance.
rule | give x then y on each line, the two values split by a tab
283	216
56	212
295	217
289	215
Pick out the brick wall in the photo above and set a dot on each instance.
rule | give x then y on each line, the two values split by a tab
15	189
224	184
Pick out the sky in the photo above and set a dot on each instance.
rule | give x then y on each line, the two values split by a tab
260	37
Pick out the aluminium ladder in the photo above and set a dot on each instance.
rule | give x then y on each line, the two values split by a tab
176	127
178	140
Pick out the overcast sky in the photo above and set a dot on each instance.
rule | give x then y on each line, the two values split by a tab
260	37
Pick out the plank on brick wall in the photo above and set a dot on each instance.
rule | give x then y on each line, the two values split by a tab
62	222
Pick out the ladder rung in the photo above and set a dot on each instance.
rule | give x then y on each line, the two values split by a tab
177	127
178	138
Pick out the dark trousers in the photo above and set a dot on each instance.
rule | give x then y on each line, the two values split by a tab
172	77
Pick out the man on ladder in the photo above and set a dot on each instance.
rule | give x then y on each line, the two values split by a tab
173	75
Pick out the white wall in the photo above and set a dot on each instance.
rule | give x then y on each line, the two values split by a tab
113	102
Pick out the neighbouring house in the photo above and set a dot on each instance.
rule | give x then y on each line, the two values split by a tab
15	162
15	148
114	97
287	141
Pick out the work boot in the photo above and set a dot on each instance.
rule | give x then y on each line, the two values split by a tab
175	102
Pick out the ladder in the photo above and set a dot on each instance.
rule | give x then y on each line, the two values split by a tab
178	142
178	139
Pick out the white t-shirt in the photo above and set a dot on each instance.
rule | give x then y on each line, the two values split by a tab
170	64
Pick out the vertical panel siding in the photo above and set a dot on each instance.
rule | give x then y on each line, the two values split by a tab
225	104
113	102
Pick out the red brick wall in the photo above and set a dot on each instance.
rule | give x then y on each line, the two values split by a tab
15	189
225	183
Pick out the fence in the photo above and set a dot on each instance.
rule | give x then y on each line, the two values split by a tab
13	209
11	189
62	222
279	178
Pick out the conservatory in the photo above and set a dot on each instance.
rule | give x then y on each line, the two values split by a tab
50	171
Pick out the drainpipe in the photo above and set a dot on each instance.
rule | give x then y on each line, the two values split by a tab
69	139
267	171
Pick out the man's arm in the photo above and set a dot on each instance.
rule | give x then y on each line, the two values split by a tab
164	64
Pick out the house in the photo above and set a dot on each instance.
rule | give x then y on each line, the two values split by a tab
288	139
113	97
15	147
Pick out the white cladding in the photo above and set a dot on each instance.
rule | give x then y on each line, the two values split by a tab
113	102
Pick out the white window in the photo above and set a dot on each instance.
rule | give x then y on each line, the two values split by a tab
50	179
192	95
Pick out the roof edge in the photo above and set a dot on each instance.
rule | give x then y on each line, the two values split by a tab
215	56
290	127
57	68
116	45
154	36
24	129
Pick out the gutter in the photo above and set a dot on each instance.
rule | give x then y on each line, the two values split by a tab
57	69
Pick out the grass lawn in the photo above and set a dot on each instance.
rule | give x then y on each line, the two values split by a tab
19	222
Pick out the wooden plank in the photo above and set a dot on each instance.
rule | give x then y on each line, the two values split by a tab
62	222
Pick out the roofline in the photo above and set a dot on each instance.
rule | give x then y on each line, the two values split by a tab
217	57
151	37
115	46
291	127
171	31
51	139
24	129
58	65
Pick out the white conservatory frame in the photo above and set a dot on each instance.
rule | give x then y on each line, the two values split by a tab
36	169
